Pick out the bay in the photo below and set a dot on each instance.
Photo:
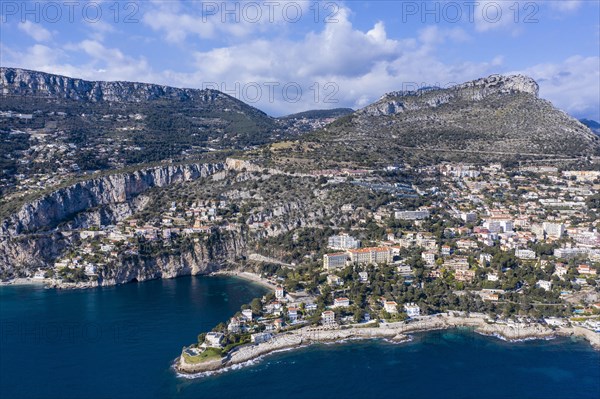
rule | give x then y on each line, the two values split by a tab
121	341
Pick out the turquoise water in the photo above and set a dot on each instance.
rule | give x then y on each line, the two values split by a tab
121	341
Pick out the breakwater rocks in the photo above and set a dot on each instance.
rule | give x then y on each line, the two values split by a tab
396	332
294	339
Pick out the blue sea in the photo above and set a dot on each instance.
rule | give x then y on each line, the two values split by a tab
120	342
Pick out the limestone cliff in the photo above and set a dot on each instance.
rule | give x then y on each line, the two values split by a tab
200	258
41	230
476	90
61	205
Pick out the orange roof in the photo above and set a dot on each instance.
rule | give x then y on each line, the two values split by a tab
371	249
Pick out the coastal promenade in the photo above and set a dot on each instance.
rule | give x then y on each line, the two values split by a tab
396	332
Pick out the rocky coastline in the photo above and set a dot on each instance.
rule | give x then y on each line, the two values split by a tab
396	332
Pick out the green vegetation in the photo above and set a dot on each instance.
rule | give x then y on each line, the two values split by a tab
206	355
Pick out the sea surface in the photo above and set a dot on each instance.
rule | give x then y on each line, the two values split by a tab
120	342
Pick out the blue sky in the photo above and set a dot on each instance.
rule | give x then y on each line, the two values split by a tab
289	56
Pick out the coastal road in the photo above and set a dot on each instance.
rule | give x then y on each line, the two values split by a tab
267	259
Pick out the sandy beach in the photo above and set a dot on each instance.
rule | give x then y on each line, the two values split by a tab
255	278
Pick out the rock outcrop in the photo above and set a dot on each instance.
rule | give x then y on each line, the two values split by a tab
31	237
476	90
58	206
200	258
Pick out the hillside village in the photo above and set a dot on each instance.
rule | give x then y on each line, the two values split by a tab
519	244
510	252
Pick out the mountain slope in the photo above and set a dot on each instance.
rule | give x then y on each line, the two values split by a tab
320	114
307	121
54	124
593	125
187	117
494	118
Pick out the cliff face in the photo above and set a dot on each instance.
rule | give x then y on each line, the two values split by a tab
476	90
64	204
201	258
41	230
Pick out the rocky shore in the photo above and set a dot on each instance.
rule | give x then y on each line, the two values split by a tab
396	332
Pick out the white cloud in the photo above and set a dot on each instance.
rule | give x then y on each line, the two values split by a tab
516	16
98	30
434	35
340	63
179	21
36	57
572	85
99	63
36	31
565	5
335	65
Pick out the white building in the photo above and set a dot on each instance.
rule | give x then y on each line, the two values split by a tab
428	257
293	314
468	217
404	270
567	253
524	254
412	310
260	337
39	275
390	306
371	255
332	279
247	313
343	241
279	293
234	325
411	215
546	285
485	259
328	317
335	261
213	339
341	302
310	307
554	230
561	270
347	208
363	277
90	269
498	225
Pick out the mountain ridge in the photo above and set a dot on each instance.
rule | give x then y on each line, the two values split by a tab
496	118
499	113
19	81
475	90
